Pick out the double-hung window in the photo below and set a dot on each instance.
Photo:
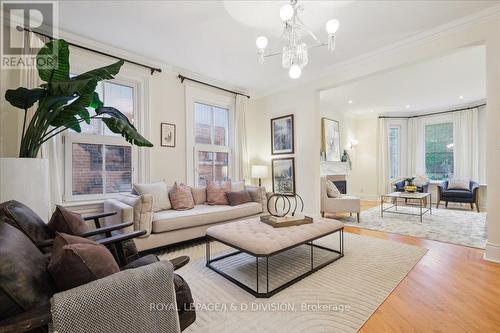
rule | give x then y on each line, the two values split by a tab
212	143
395	151
439	150
98	162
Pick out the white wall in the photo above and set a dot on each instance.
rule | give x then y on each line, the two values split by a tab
303	104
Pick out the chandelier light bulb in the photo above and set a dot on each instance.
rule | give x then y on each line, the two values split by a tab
295	72
261	42
286	13
332	26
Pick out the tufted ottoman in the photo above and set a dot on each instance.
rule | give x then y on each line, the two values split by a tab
262	241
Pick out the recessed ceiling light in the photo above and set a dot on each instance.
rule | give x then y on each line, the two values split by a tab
461	97
350	101
371	110
407	106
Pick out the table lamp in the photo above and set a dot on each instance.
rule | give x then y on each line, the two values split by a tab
259	171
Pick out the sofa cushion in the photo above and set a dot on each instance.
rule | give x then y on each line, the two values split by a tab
238	198
159	191
237	186
181	197
25	282
331	190
26	220
76	261
199	194
64	220
201	215
216	192
466	194
458	184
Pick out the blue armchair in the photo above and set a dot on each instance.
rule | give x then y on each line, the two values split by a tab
455	195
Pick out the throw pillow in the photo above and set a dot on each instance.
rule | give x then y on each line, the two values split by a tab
63	220
216	193
76	261
181	197
238	198
237	186
458	184
331	190
159	191
199	195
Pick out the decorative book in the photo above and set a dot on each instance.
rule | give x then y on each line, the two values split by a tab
285	221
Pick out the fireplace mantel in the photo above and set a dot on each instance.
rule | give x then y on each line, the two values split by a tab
334	168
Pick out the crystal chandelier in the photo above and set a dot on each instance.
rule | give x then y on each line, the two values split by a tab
294	56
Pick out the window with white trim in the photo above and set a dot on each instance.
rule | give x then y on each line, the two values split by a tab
212	144
98	162
395	151
439	164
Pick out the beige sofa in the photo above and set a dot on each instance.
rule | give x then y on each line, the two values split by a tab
173	226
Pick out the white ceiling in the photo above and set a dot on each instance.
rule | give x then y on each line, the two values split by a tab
435	84
217	38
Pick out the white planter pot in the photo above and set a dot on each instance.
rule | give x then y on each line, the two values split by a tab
26	180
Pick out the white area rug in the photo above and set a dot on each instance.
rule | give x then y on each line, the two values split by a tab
338	298
445	225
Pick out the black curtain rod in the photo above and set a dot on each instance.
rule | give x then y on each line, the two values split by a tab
152	69
431	114
182	77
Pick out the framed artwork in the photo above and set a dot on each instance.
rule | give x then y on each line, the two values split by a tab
282	141
167	135
283	170
331	139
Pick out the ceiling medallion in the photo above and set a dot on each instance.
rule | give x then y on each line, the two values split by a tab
295	52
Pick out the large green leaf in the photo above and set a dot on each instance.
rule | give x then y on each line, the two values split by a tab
67	120
119	123
53	61
98	74
24	98
68	87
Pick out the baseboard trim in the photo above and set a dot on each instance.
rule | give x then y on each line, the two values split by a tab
492	253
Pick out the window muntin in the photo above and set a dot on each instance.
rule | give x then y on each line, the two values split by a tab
439	163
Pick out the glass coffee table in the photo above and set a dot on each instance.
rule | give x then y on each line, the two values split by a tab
422	198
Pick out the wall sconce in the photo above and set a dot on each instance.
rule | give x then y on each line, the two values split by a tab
352	144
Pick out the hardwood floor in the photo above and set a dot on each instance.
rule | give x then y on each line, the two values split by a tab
451	289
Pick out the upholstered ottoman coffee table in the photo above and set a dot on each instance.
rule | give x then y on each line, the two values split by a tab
263	242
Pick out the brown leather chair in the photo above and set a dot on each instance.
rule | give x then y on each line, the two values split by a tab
26	287
26	220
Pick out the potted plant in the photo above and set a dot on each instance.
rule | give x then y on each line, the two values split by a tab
410	187
63	103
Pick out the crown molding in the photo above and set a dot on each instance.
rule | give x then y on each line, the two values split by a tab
416	40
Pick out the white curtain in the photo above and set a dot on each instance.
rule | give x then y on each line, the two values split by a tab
52	149
466	144
384	185
242	165
416	151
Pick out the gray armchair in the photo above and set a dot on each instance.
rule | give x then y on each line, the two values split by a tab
455	195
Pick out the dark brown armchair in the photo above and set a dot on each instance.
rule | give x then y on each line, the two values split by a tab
25	285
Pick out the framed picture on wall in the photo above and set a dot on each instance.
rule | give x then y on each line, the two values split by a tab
283	170
282	136
331	139
167	135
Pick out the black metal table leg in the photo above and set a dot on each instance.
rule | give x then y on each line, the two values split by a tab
267	274
257	269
